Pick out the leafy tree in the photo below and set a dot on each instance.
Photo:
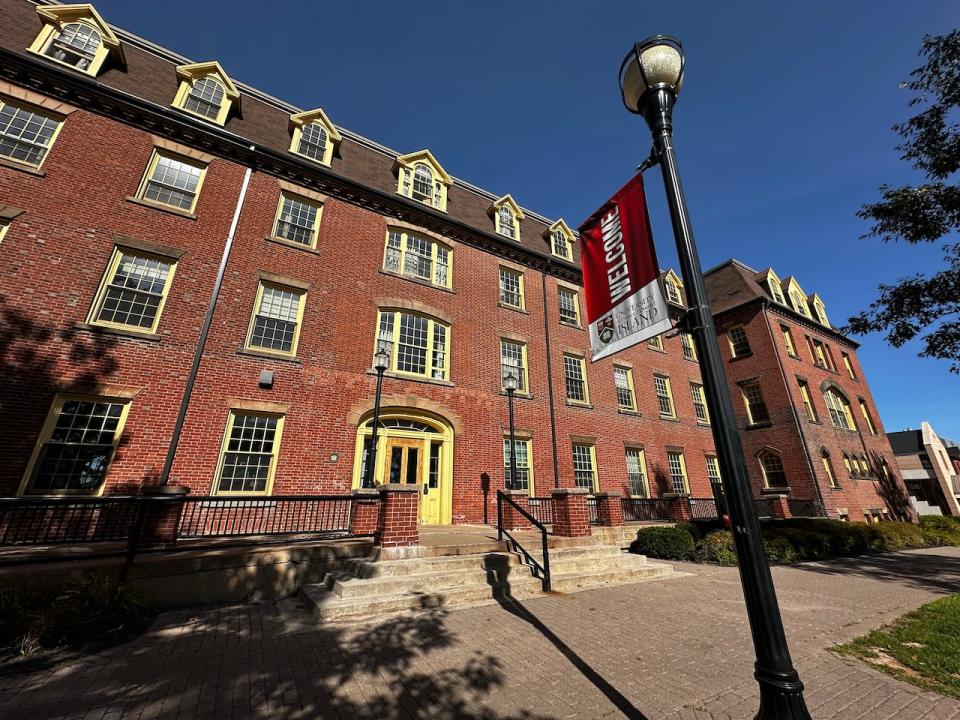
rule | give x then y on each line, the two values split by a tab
927	306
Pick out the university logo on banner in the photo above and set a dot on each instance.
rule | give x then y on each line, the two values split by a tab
625	303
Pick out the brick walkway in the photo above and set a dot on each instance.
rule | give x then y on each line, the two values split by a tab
671	649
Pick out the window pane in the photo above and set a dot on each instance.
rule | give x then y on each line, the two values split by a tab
412	355
418	261
297	220
573	374
756	407
249	454
664	396
521	448
511	362
24	135
636	473
313	141
510	288
134	293
583	472
275	323
678	475
569	310
205	98
76	44
621	381
739	344
173	182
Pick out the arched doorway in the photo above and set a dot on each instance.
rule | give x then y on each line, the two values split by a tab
413	448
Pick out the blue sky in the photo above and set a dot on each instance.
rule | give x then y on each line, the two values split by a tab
782	128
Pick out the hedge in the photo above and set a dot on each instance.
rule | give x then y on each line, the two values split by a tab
669	543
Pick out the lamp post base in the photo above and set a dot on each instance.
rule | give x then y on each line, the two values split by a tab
781	696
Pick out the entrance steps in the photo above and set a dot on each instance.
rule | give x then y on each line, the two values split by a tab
476	573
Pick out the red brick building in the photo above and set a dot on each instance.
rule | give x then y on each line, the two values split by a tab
129	177
809	426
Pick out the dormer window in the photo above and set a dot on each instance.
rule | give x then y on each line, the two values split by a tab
561	240
799	303
775	291
77	36
672	287
820	311
507	216
673	295
420	178
313	136
206	91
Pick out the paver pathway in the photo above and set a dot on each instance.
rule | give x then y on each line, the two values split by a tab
671	649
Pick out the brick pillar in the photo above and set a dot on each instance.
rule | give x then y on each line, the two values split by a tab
779	507
512	520
679	507
571	518
365	511
397	524
609	509
163	510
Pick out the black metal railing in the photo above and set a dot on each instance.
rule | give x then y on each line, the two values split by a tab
764	507
542	509
645	509
593	510
67	520
703	508
540	570
805	508
277	515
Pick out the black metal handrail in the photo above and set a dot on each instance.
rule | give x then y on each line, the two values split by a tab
542	509
640	509
544	568
593	510
703	508
219	516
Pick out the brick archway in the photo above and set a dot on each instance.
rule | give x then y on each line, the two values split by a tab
397	401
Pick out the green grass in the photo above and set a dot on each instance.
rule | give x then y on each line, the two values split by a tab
922	647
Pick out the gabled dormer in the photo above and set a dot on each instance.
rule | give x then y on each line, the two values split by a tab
76	36
507	217
772	284
313	136
206	91
819	310
673	287
797	297
560	237
420	177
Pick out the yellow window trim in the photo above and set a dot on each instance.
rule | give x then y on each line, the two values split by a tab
315	232
595	480
697	389
256	308
268	487
434	251
683	469
55	17
656	343
528	442
4	226
108	274
30	107
395	344
560	226
52	414
514	209
583	373
190	74
152	166
867	417
519	275
642	460
576	304
299	120
523	367
788	341
633	391
668	386
404	167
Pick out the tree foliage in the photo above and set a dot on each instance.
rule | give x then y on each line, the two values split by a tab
924	306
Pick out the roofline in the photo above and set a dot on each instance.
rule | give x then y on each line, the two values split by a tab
171	56
731	261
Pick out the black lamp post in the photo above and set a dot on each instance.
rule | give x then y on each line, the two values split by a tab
381	361
510	385
650	79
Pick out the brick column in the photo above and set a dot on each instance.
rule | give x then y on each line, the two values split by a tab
512	520
164	506
397	524
679	507
779	507
365	511
571	517
609	509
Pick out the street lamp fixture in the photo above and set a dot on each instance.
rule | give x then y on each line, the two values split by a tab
381	361
651	76
510	384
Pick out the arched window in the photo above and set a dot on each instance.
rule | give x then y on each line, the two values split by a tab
772	468
507	224
313	141
422	182
673	292
205	98
76	44
839	409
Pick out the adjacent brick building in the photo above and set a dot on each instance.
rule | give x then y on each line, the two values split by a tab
808	422
131	177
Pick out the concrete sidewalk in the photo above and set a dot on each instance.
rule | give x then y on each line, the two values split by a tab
676	649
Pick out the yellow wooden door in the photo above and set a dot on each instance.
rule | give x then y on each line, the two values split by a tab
406	465
430	505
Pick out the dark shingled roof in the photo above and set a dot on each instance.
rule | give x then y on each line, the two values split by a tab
150	73
730	285
906	442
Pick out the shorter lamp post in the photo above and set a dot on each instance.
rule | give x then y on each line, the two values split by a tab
381	361
510	385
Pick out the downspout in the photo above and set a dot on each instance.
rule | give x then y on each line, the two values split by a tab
204	330
793	410
553	417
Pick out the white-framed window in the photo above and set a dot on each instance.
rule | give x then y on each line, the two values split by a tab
700	403
776	291
524	464
661	384
422	182
677	465
560	244
575	379
417	344
298	220
418	257
76	44
511	287
172	180
513	360
313	141
26	133
205	97
506	222
799	303
585	466
569	305
278	314
637	472
133	291
248	458
623	382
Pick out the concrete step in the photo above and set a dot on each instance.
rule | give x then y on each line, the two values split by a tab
442	563
326	606
586	564
597	553
345	585
625	573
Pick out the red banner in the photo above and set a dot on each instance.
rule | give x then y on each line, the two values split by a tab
624	300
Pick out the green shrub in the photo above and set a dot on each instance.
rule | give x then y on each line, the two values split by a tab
947	523
779	550
667	543
690	528
716	548
899	536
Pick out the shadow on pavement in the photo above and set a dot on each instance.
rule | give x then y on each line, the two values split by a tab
935	569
